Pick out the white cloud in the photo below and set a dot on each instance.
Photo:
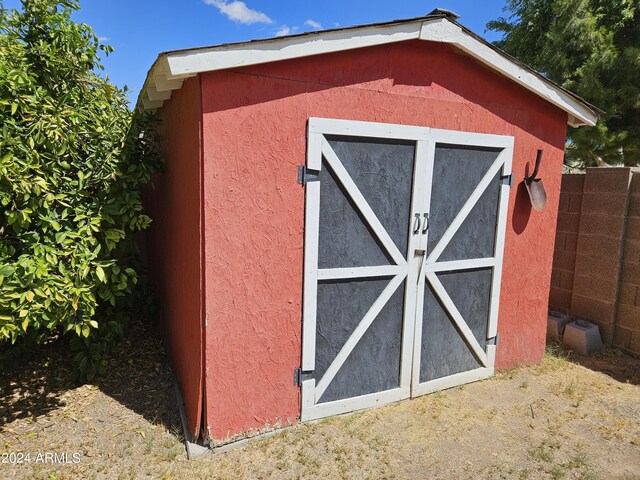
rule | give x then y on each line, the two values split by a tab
103	39
239	12
313	24
284	30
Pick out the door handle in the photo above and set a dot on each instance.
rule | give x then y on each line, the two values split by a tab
426	223
416	224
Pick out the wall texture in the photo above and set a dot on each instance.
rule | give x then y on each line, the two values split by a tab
175	204
254	132
596	266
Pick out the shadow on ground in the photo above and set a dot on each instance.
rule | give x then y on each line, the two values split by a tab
138	377
612	362
33	388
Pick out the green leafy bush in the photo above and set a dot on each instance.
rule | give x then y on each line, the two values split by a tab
73	160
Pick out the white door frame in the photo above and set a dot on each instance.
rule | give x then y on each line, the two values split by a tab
426	140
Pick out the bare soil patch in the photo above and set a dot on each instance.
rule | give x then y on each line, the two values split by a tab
567	418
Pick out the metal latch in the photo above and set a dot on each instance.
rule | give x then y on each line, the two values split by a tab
507	179
420	253
299	376
305	175
494	340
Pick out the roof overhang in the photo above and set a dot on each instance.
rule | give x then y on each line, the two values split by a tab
172	68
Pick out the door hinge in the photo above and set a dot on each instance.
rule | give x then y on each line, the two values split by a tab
305	175
299	376
494	340
507	179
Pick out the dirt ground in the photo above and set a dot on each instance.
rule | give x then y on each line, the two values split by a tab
571	418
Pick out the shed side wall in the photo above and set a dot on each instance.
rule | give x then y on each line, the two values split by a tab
175	243
254	130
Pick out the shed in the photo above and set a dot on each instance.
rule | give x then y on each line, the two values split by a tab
342	221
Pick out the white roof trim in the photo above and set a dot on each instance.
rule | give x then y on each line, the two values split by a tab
448	32
286	48
172	68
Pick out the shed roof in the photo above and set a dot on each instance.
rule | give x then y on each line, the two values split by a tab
171	68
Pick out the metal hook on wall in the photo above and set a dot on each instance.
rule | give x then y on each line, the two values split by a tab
537	195
533	176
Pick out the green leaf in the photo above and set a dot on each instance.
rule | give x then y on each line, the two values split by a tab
14	108
7	270
100	274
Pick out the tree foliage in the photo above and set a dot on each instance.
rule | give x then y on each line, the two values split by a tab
591	47
73	159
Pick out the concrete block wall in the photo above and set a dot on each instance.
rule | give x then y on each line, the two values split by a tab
627	327
566	245
596	266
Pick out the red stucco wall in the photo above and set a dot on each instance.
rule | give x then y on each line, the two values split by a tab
254	129
174	243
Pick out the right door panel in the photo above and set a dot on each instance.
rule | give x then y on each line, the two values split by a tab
458	288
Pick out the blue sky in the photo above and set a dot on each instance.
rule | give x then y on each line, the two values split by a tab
140	29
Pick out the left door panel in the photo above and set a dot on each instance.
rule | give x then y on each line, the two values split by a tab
358	274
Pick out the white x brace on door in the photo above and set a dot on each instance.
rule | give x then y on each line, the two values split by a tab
404	235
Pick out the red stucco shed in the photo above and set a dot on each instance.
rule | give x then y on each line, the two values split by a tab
403	258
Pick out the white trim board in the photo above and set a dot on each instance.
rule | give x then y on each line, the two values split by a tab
171	68
321	410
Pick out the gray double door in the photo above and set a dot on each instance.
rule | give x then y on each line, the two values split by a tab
404	234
